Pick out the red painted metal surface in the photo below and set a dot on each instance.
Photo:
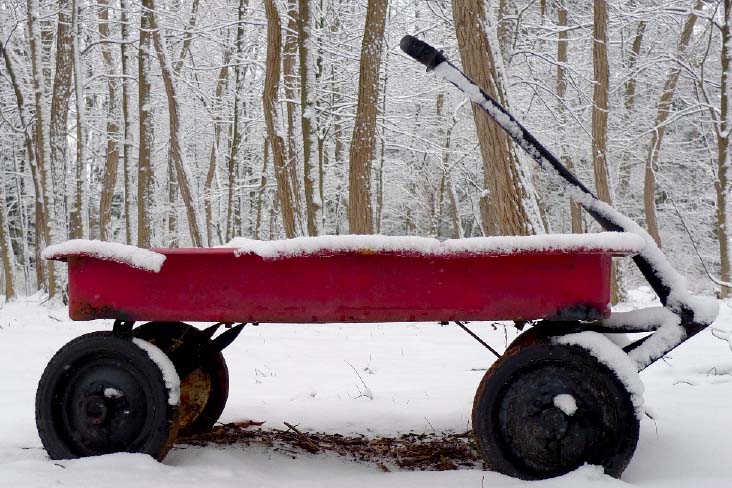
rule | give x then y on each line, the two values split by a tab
214	285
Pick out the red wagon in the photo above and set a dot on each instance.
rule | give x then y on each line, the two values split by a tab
561	395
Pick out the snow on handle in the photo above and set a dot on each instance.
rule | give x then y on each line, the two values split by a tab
605	242
109	251
665	280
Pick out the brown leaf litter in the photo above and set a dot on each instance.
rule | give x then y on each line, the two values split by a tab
411	451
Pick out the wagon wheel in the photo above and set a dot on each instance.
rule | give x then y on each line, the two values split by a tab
100	394
203	391
521	430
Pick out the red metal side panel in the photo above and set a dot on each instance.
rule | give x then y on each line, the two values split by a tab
215	285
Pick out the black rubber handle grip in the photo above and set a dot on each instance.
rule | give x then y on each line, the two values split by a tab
421	51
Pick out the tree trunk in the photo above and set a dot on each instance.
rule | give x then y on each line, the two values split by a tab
172	208
363	141
723	184
600	102
600	96
449	187
235	140
339	151
508	208
111	162
58	123
313	205
77	212
504	27
260	192
6	249
126	125
289	80
45	217
562	46
382	150
145	175
664	109
269	101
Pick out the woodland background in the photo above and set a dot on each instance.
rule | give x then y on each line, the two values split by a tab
165	123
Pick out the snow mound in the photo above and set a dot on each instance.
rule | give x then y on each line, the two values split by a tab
609	354
608	242
109	251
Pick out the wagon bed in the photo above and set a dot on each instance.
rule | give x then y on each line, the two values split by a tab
337	279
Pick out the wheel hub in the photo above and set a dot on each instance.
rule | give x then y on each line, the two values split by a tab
553	424
96	409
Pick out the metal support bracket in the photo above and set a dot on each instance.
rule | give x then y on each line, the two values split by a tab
481	341
123	328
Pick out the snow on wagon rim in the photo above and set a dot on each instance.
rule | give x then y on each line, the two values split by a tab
621	243
109	251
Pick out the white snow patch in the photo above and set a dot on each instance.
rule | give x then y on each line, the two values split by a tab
566	403
170	375
605	351
109	251
113	393
609	242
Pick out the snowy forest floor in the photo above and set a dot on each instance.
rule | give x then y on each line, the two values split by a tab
377	380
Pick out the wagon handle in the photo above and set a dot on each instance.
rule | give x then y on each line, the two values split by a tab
657	275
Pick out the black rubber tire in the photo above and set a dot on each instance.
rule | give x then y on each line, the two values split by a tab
76	416
169	336
534	335
521	433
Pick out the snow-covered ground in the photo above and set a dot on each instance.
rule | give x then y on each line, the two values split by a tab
413	377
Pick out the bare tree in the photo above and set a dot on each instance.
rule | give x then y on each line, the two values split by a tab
313	205
182	171
58	116
145	175
269	100
600	102
236	136
363	141
562	59
44	218
78	212
659	130
126	123
723	124
507	207
111	163
6	248
600	95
